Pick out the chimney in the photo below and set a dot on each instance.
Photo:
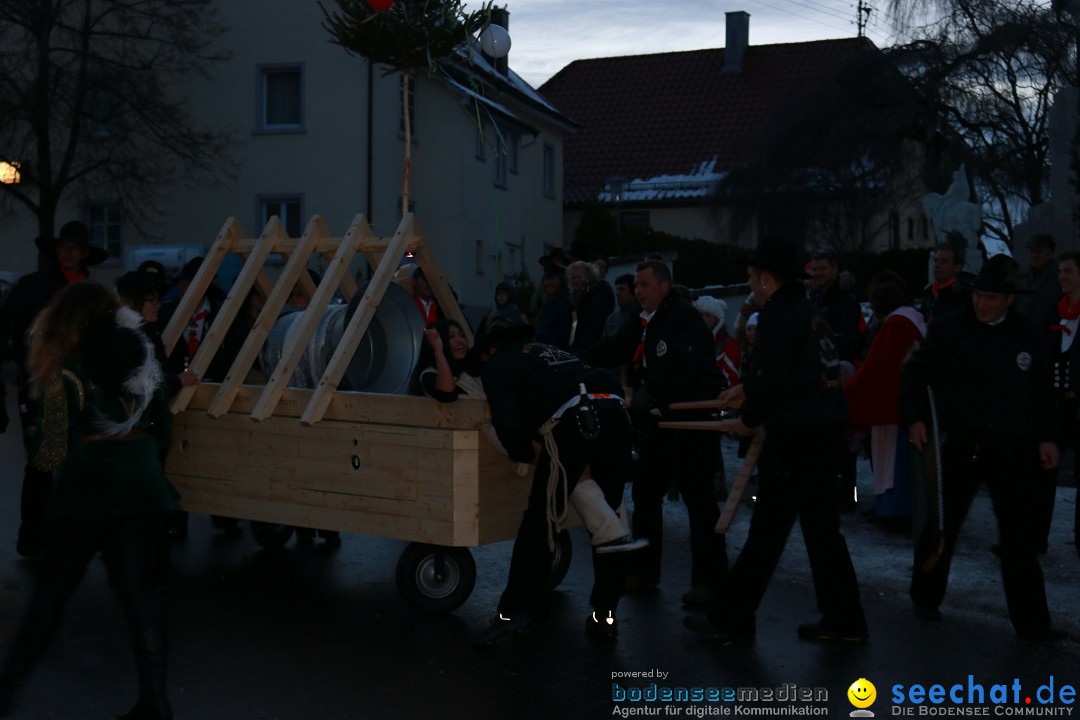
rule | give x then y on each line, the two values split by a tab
501	17
738	39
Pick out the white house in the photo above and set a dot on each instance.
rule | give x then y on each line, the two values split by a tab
318	133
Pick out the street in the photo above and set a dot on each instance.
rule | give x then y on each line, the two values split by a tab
306	632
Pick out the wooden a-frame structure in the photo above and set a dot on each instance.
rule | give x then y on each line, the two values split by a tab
387	465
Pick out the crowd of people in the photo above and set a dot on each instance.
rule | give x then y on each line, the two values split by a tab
977	383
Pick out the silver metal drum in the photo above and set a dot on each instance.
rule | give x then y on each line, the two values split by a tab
387	356
384	361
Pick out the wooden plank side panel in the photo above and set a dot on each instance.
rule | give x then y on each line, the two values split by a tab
397	482
502	495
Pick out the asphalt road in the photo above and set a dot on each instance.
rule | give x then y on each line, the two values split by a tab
310	633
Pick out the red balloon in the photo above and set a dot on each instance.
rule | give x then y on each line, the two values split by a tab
380	4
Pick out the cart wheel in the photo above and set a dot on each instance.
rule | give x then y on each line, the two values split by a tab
435	578
560	561
271	536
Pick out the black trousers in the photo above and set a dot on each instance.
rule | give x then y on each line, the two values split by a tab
689	457
129	549
36	487
1044	491
1010	469
796	480
609	458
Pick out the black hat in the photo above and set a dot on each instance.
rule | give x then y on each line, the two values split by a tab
496	334
1043	241
1001	274
551	267
73	232
191	267
781	256
136	285
155	270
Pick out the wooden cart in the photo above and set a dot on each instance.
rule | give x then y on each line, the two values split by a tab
391	466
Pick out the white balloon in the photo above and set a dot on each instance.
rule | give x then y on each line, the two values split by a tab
495	41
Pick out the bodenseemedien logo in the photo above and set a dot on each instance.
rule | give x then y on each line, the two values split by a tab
862	694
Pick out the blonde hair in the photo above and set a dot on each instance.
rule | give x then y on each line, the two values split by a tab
59	329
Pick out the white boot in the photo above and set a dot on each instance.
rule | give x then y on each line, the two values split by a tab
609	533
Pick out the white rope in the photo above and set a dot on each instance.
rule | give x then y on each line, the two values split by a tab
556	518
937	461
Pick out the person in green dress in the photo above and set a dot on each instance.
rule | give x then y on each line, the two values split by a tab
103	420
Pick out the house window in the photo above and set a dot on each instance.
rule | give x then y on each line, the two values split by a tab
502	164
513	263
288	208
412	106
549	170
281	98
105	221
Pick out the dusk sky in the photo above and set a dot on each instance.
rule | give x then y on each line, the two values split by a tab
546	35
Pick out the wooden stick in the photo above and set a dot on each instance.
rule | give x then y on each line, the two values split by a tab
226	239
274	300
304	327
727	514
717	425
358	324
698	405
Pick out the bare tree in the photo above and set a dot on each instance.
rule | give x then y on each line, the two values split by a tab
87	89
840	160
990	69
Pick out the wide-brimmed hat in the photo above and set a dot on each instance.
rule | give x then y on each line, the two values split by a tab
136	285
1042	241
781	256
155	270
73	232
1001	274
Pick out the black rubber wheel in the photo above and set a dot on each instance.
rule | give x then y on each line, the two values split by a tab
271	536
435	578
560	562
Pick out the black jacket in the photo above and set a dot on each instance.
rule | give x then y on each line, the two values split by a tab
527	382
679	363
842	311
29	297
590	314
792	379
988	380
955	297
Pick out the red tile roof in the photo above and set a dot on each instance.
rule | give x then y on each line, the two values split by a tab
648	115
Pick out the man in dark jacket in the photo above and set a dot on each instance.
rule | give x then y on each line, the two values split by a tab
791	388
73	255
837	305
946	293
986	370
548	407
673	349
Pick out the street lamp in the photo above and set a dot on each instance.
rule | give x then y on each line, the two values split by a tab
616	186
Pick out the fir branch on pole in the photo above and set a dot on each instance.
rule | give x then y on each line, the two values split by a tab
409	34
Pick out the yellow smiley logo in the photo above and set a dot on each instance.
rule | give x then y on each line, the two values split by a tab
862	693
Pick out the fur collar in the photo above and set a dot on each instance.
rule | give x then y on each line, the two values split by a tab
140	385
